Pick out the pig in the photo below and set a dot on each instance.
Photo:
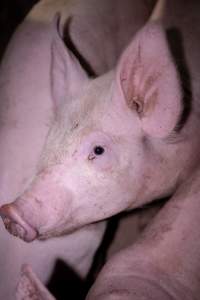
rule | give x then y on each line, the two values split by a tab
28	110
162	264
126	139
134	139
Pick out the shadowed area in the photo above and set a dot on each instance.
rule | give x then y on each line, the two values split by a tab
175	41
12	12
65	281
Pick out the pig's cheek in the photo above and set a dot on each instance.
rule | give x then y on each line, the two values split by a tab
104	163
57	210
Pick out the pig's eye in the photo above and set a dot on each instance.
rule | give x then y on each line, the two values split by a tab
96	151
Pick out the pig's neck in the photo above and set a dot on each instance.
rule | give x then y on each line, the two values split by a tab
166	256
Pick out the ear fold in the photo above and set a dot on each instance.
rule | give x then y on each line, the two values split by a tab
67	75
149	82
30	287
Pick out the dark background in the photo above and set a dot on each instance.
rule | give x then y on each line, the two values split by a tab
12	12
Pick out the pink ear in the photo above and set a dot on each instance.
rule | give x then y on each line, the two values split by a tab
67	75
149	82
30	287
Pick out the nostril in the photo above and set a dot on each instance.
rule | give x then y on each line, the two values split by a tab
14	228
15	225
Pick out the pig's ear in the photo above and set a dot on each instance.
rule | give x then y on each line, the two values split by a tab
30	286
67	75
149	81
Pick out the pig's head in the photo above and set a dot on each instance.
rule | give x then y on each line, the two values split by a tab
102	155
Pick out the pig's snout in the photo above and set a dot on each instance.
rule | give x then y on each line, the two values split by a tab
15	224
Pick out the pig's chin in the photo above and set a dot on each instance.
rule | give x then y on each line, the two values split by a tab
15	224
57	232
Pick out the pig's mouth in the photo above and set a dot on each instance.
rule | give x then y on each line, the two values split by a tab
15	224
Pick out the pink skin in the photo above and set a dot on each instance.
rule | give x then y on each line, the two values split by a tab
17	226
26	114
164	262
132	114
30	285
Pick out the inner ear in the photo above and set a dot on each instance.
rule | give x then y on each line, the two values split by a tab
132	85
139	76
149	81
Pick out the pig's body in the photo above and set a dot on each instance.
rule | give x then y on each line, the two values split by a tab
27	111
97	30
164	262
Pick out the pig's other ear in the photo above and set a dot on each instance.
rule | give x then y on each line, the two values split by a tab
67	76
149	82
30	286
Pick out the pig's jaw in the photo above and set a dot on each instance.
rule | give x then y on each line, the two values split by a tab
15	224
57	233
